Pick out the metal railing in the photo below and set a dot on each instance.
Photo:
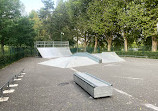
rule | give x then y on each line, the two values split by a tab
9	82
51	44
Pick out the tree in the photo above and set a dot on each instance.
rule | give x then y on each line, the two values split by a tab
45	14
22	33
103	19
9	11
129	16
150	20
77	11
41	33
61	23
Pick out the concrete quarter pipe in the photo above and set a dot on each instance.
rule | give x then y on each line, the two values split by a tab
53	49
54	52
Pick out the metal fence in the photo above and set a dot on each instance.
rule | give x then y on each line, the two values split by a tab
90	49
142	51
12	54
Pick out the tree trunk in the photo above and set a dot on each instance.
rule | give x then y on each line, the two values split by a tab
2	47
154	44
96	43
109	40
125	44
50	36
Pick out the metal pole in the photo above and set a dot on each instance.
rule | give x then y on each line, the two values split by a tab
1	93
12	80
67	43
8	84
157	27
16	76
61	36
77	42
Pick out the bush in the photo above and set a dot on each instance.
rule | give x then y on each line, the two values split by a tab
148	54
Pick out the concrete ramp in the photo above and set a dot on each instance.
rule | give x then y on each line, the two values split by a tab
90	56
108	57
82	59
54	52
68	62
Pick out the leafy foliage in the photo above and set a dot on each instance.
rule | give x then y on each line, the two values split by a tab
95	23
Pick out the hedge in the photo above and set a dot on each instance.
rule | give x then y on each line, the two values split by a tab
148	54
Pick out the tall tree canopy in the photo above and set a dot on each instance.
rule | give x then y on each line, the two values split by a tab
9	12
45	14
96	23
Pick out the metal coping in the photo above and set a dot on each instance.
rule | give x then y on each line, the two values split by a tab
99	79
90	83
97	59
6	85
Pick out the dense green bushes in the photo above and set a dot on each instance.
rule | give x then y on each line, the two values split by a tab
148	54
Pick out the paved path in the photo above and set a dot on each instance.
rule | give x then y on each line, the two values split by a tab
46	88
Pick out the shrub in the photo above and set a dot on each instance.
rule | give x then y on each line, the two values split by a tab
149	54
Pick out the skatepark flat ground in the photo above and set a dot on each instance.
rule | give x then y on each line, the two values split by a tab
46	88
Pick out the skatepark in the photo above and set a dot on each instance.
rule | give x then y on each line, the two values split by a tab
48	84
59	55
79	55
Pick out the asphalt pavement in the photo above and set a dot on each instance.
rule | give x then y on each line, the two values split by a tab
46	88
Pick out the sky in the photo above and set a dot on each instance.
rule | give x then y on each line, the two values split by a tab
32	5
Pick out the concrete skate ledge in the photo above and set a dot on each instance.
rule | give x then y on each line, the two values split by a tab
94	86
86	54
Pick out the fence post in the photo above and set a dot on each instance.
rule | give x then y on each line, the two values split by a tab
12	80
143	51
8	84
1	93
31	51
